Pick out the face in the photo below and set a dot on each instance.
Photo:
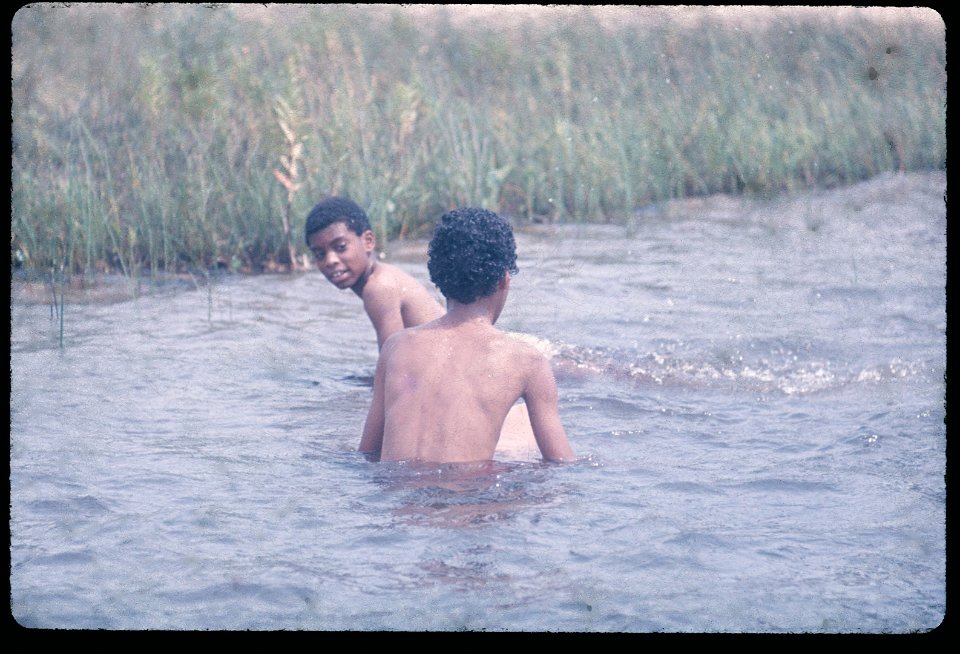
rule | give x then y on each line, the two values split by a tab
341	255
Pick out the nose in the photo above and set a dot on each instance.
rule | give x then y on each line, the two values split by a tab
330	260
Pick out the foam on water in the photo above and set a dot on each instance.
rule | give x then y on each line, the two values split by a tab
780	372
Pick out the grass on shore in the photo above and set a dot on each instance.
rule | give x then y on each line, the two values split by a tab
160	138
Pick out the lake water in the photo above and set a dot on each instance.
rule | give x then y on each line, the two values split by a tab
755	392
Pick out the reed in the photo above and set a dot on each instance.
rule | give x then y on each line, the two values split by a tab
173	166
290	173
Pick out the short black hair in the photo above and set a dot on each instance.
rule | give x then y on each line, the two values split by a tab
336	210
470	251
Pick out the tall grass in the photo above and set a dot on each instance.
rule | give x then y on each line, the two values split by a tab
146	138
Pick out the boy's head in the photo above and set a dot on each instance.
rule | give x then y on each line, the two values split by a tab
470	252
339	236
336	210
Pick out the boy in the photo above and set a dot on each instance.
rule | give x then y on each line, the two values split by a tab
442	390
339	235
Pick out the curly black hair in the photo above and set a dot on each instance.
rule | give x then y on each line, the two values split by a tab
470	251
333	210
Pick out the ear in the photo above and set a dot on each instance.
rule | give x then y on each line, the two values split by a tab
369	240
504	283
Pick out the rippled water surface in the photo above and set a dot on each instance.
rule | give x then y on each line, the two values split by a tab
755	392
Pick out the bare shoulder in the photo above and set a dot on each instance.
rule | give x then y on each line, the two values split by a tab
523	351
388	280
389	347
407	340
542	345
383	279
395	341
383	289
390	275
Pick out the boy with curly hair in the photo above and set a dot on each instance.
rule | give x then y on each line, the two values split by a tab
442	390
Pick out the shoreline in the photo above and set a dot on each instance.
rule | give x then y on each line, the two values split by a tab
34	287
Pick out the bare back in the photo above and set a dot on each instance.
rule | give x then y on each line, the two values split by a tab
445	388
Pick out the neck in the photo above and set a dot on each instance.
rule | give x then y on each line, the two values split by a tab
482	311
358	287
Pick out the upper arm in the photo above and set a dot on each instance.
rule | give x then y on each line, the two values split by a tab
382	305
543	406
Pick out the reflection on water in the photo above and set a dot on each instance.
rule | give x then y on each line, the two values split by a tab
460	495
758	408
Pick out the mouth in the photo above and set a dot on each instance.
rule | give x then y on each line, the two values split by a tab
338	276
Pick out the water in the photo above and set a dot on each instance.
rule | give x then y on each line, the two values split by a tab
755	392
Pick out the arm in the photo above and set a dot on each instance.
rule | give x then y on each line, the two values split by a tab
382	305
372	440
542	405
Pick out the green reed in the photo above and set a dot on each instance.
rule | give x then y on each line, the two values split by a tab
151	134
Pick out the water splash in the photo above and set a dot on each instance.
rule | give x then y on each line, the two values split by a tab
780	371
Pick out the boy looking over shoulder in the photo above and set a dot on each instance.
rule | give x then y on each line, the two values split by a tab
442	390
339	235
